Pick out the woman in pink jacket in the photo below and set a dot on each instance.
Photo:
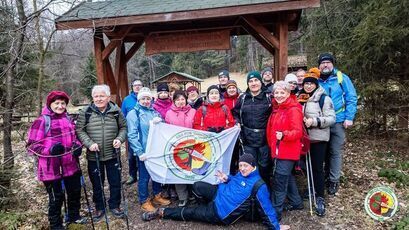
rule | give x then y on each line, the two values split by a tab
181	114
53	141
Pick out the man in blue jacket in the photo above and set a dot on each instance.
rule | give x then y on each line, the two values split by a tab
342	92
228	201
127	105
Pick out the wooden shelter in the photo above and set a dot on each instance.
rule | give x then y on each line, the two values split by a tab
180	79
180	26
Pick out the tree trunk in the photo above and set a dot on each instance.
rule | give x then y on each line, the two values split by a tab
40	45
15	54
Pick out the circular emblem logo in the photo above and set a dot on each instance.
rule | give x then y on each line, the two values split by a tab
190	154
381	203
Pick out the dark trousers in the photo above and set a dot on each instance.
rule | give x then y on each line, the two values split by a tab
263	158
234	164
132	163
317	153
56	198
205	212
110	168
284	186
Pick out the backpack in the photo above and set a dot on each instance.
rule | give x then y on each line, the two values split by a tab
47	122
204	111
88	114
252	214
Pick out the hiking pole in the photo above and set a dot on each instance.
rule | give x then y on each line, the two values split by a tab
98	170
58	153
308	183
312	178
85	192
119	165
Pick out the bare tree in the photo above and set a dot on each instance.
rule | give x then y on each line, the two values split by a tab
16	51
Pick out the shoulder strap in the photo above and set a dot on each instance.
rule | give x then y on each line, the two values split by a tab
88	114
268	95
47	123
322	100
256	187
225	109
340	78
241	108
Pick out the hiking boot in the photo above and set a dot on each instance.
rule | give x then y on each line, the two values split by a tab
99	214
320	207
148	206
159	200
130	180
182	203
117	212
148	216
289	207
80	220
333	188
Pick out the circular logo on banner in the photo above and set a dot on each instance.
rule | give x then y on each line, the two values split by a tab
381	203
189	154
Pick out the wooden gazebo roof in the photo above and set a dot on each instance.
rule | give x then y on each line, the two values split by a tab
139	21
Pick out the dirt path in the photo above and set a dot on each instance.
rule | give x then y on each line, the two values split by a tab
344	211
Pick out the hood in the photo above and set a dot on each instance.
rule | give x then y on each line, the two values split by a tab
317	94
213	105
290	102
47	111
163	103
225	95
184	109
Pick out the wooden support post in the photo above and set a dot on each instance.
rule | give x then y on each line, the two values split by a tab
99	63
281	57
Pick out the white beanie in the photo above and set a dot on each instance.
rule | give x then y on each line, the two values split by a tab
144	92
290	77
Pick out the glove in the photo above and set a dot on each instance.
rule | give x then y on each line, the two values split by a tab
156	120
76	150
57	149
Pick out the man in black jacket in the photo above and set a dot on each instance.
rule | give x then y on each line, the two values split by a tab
252	112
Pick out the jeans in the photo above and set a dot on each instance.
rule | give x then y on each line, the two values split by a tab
133	163
263	159
144	177
333	161
284	185
205	212
110	168
56	197
317	153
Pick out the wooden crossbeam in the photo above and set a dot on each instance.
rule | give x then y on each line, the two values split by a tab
262	31
135	47
258	37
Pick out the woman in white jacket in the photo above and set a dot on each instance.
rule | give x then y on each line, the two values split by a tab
319	115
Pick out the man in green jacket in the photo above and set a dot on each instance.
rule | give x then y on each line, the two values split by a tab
101	127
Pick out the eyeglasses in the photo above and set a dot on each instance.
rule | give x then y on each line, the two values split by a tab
293	83
223	76
309	83
137	85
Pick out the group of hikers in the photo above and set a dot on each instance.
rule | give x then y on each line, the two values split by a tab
275	119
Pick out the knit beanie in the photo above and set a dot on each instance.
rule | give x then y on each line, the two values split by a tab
290	78
144	92
326	57
162	87
57	95
231	83
212	87
267	69
225	73
191	89
178	93
248	158
253	74
312	76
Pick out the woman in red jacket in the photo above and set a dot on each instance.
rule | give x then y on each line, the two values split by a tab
231	95
284	132
213	115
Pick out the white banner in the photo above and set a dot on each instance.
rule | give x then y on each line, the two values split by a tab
178	155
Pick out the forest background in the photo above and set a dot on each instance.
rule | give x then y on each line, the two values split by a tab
369	38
